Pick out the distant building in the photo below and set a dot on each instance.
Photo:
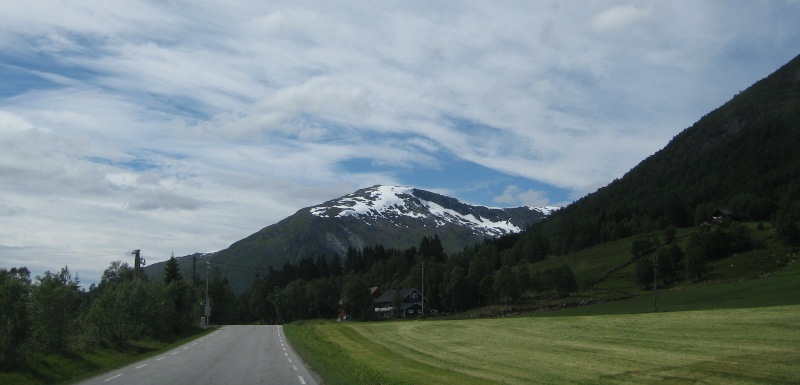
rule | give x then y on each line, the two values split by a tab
405	303
721	216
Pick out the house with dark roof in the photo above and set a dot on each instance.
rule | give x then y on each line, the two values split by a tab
403	303
721	216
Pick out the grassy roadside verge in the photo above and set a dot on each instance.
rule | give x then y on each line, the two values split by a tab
329	360
68	368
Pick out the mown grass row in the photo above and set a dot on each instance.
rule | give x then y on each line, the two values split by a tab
729	346
732	333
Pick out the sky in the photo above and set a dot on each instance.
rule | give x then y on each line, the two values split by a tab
184	126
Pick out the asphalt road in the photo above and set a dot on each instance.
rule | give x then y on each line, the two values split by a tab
230	355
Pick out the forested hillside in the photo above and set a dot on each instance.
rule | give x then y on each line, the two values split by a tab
742	156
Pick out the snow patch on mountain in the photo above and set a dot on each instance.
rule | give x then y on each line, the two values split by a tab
376	201
546	210
470	220
396	202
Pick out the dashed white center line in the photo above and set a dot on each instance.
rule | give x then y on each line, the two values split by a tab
290	360
286	354
141	366
174	353
294	368
302	381
186	348
160	358
111	378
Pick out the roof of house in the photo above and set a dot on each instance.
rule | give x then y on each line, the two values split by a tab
375	292
389	295
727	212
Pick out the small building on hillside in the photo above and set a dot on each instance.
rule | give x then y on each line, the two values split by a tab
405	303
721	216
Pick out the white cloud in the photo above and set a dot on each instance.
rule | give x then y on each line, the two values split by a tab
185	126
619	17
514	195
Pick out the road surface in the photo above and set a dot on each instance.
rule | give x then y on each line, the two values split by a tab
230	355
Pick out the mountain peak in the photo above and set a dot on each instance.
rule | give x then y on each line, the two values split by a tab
368	201
395	217
399	204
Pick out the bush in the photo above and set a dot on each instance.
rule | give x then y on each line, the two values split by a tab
14	327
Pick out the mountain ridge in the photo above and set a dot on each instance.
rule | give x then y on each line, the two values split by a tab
391	216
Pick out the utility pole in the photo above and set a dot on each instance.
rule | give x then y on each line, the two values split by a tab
208	305
138	262
423	289
655	282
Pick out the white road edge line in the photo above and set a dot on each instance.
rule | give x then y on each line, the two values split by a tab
160	358
111	378
302	381
141	366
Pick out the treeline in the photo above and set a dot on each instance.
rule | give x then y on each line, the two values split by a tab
492	272
52	313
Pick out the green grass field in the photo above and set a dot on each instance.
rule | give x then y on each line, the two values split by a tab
730	346
739	332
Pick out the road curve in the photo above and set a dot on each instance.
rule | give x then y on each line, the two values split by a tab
230	355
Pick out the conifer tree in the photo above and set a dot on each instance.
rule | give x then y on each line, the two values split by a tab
171	271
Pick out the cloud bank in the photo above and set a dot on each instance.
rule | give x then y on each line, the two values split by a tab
185	126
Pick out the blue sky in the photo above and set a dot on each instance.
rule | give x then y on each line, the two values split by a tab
185	126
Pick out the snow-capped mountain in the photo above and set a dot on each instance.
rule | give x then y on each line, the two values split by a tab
391	216
378	205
